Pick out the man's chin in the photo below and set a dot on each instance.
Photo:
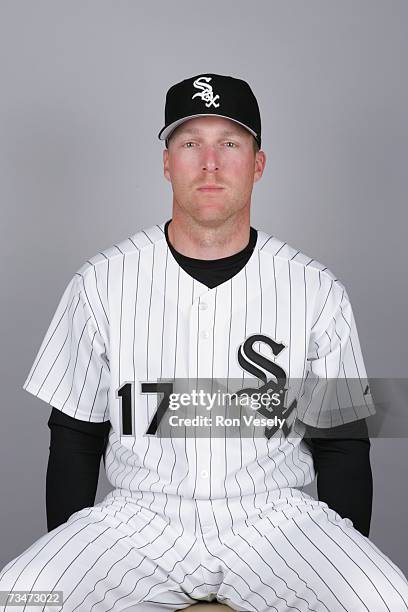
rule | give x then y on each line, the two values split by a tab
210	215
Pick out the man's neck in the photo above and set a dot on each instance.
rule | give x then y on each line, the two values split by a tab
206	242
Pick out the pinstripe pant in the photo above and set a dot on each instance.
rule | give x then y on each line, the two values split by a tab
281	550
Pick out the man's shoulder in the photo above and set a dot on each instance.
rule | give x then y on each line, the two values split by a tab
282	251
130	246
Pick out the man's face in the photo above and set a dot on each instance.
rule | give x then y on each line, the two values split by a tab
212	151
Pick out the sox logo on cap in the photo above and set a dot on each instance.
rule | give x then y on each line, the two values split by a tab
206	93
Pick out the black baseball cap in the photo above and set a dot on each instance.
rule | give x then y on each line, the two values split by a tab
211	94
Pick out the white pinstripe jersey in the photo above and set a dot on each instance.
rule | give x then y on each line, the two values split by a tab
131	314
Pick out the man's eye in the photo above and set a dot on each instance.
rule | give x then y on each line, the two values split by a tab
188	143
231	143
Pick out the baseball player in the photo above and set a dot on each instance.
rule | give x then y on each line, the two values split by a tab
205	513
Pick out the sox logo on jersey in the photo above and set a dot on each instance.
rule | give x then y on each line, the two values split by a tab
249	359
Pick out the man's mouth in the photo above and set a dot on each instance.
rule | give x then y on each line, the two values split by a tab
210	188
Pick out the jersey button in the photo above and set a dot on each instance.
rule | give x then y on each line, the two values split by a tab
205	334
204	474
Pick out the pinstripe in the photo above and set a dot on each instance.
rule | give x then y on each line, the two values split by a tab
369	544
299	577
134	339
260	331
97	290
290	317
42	351
349	557
318	575
147	351
59	353
75	364
95	394
330	561
87	367
305	319
323	307
212	377
198	366
263	561
120	318
88	302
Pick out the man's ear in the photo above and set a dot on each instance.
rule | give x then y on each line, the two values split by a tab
166	171
260	161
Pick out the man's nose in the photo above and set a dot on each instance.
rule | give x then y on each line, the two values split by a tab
210	161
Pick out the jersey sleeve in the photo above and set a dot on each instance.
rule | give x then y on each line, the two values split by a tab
335	385
71	369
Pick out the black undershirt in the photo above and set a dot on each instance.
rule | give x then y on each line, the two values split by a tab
341	458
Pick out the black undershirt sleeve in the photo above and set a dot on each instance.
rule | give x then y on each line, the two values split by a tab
76	448
344	478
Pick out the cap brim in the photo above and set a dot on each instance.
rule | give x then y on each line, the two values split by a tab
166	131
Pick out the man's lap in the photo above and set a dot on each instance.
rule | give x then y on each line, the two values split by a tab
286	552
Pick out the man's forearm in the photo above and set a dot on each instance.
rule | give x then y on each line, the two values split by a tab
73	470
344	480
344	477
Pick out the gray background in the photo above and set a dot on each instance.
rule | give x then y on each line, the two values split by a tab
82	100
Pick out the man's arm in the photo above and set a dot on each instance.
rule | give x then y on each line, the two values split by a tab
76	448
344	478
